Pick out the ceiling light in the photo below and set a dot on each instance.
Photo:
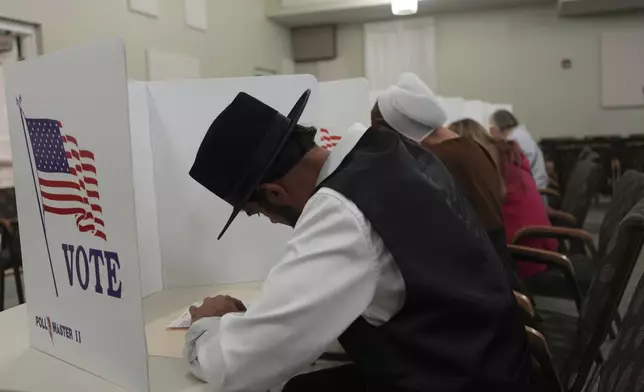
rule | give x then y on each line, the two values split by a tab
404	7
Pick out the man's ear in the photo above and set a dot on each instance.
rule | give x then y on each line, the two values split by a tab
275	194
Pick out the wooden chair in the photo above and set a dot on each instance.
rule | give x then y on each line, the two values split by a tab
523	301
629	191
10	255
545	375
608	150
581	188
633	154
564	154
574	342
529	313
10	259
623	369
552	195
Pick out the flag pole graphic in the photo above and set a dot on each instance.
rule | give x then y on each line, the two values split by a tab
33	175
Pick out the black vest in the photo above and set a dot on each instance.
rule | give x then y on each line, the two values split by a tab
459	328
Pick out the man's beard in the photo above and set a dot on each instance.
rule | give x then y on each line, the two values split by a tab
288	213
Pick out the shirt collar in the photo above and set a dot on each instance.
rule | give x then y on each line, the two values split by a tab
341	150
517	132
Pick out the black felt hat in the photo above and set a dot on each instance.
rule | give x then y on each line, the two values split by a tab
240	147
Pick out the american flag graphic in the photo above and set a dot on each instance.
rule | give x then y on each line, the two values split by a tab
328	141
66	176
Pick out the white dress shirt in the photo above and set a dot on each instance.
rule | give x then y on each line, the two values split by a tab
335	269
532	151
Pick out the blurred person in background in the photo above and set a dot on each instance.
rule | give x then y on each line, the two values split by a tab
411	109
504	125
522	205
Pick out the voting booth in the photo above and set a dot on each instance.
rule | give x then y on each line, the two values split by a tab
108	213
174	117
70	138
189	216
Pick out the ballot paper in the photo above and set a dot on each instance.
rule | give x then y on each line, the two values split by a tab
184	321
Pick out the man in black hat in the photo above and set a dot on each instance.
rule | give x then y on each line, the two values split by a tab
386	256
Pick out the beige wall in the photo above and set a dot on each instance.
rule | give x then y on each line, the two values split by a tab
514	56
239	36
350	60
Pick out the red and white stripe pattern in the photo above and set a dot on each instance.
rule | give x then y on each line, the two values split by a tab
67	176
81	165
328	140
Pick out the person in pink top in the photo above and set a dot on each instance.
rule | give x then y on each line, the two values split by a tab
522	204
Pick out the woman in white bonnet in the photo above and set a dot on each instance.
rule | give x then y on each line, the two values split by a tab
411	109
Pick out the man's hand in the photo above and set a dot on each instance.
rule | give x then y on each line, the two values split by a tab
216	307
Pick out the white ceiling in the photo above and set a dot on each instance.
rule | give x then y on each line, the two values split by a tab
311	12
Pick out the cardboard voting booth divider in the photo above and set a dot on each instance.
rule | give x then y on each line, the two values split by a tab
144	191
180	112
479	111
68	116
177	218
454	108
342	104
501	106
458	108
189	216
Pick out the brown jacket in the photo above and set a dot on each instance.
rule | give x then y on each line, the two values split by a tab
474	172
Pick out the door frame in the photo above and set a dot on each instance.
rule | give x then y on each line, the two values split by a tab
29	37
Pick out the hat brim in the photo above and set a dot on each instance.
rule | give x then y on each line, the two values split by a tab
294	116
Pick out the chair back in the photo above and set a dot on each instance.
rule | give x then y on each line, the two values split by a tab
587	154
632	155
8	207
10	252
544	374
600	304
580	189
624	368
628	191
564	152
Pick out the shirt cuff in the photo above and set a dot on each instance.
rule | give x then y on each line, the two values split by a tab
198	335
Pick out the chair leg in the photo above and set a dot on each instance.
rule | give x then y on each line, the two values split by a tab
19	288
592	378
618	321
615	326
1	288
599	359
611	332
